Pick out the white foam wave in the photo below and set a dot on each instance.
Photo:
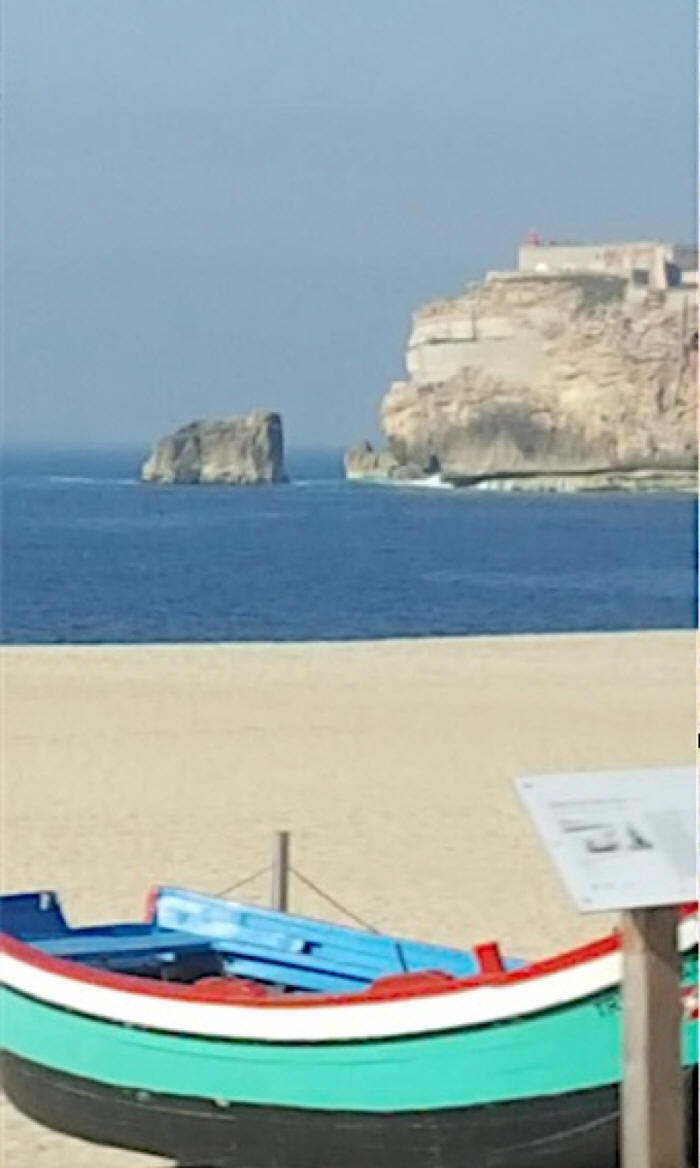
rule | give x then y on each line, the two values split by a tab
335	482
430	483
89	481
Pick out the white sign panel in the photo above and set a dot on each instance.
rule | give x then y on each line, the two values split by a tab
619	839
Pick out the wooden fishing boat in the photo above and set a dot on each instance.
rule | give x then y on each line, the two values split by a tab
222	1036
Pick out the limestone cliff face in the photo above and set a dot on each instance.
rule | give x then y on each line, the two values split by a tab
557	379
236	451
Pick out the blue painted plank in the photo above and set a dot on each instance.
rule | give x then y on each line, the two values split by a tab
103	945
177	908
294	978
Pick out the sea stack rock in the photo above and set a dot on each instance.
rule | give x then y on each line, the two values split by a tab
362	461
236	451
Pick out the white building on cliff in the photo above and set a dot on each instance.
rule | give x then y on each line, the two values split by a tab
650	263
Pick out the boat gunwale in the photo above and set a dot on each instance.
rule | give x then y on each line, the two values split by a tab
399	987
28	953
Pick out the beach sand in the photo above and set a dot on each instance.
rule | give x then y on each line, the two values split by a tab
392	763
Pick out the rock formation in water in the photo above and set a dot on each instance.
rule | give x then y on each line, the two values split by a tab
362	461
236	451
548	382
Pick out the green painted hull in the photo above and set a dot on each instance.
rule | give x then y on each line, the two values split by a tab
565	1050
532	1091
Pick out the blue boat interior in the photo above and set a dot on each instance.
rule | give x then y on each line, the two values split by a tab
189	937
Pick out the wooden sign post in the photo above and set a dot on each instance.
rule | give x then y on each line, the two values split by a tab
625	841
652	1090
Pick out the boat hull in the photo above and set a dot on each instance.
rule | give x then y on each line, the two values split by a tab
519	1070
579	1129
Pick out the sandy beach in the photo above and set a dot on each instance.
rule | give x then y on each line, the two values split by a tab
392	763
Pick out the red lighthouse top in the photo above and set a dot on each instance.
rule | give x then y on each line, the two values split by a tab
533	238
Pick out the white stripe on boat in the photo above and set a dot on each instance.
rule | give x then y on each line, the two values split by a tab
327	1022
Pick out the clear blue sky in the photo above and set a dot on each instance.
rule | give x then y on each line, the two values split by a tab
212	205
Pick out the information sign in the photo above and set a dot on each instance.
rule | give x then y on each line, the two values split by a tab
619	839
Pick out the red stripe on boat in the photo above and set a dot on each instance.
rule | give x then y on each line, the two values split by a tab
63	967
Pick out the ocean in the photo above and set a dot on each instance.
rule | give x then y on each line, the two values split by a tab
91	555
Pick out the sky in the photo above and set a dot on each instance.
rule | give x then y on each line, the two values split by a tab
217	205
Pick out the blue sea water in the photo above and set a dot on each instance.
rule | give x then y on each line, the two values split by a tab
91	555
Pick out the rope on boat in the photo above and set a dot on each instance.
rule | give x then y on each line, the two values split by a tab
348	913
309	884
331	900
245	880
324	896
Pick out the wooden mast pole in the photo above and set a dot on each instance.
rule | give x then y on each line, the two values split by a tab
280	871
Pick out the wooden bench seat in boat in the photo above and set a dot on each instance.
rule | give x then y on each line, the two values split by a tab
262	958
82	947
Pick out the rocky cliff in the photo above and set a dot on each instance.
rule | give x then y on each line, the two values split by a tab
555	382
236	451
